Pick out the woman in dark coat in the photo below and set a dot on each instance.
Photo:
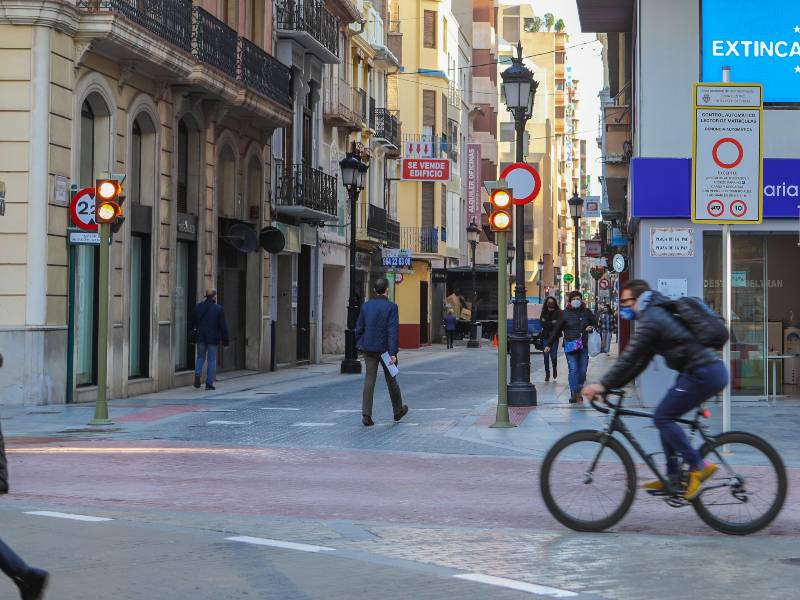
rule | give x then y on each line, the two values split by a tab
550	318
575	325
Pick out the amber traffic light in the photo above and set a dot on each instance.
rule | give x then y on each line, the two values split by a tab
108	203
500	217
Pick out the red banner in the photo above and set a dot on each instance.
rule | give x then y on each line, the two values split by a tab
426	169
473	184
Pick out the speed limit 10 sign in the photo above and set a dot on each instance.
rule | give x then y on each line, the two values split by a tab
82	208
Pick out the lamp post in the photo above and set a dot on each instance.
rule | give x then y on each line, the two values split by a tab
541	272
519	89
576	210
473	235
353	172
510	252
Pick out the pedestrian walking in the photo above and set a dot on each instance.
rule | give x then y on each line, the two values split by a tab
450	327
576	323
550	318
30	581
376	334
606	323
209	329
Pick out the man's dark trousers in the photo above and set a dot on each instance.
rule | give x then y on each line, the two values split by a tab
372	360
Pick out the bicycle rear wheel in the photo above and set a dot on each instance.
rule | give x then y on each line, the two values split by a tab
745	496
582	497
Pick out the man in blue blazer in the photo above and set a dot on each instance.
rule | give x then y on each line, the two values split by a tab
376	333
208	320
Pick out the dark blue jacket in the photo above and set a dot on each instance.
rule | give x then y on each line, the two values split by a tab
209	319
377	326
450	323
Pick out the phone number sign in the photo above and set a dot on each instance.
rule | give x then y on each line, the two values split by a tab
396	258
82	208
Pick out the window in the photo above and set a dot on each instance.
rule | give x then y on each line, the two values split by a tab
427	205
257	22
444	34
429	36
183	167
229	13
429	108
227	204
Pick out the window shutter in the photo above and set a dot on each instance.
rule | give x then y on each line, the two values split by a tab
429	39
427	204
429	108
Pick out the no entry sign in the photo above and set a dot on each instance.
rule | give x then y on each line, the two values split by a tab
426	169
727	154
81	209
524	180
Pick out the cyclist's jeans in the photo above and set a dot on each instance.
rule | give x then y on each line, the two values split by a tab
577	362
690	390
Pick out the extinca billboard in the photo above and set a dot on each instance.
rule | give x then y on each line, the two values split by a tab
758	40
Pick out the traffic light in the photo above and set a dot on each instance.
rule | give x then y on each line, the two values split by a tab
108	203
500	217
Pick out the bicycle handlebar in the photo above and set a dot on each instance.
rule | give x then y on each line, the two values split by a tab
608	405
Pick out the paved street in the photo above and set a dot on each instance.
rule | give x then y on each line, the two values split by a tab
427	508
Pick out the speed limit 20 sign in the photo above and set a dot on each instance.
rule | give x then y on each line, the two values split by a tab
82	208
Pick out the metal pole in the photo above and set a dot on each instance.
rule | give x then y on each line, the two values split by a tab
577	280
73	253
521	392
726	308
101	406
351	365
474	342
501	418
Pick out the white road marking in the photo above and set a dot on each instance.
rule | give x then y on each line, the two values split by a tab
520	586
219	410
313	424
276	408
348	410
230	422
61	515
279	544
418	409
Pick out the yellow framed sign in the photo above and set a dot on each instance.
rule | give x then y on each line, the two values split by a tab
727	153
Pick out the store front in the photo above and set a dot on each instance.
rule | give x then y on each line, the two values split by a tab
683	258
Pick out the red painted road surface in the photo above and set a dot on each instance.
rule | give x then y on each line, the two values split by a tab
317	484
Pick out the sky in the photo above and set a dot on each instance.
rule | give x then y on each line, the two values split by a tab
587	65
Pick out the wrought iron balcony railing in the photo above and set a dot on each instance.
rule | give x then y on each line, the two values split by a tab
309	190
376	222
420	239
386	125
264	73
360	104
312	17
171	20
371	113
214	43
392	233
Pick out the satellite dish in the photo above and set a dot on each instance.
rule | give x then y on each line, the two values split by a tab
242	237
272	240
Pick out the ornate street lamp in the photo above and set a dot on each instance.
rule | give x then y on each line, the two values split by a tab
541	269
576	211
354	171
473	236
519	90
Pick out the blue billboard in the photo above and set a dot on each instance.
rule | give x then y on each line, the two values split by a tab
758	40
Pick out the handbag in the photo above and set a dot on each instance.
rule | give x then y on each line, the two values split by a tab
192	334
573	345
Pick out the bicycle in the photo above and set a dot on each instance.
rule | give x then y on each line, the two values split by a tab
609	480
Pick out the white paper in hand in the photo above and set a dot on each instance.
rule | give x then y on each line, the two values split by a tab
387	360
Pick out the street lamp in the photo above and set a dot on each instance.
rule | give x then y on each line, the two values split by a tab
576	210
541	269
510	252
354	171
519	90
473	235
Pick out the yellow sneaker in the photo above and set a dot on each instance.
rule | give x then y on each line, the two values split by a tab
696	479
654	484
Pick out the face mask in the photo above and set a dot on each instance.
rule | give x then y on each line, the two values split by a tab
576	303
627	313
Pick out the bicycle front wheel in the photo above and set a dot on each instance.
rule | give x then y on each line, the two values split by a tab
588	481
749	488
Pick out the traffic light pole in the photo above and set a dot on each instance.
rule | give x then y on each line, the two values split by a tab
502	420
101	406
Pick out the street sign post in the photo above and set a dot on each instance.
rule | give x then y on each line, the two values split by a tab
727	154
502	419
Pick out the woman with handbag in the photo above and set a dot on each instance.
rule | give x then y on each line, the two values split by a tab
575	325
550	318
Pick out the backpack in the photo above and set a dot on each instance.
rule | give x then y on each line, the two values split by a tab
707	326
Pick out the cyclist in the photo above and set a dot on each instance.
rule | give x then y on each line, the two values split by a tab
701	375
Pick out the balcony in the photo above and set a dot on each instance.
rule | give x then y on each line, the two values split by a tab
453	95
392	233
339	105
305	193
372	113
311	25
420	240
264	73
214	43
395	38
387	128
372	224
170	20
360	105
